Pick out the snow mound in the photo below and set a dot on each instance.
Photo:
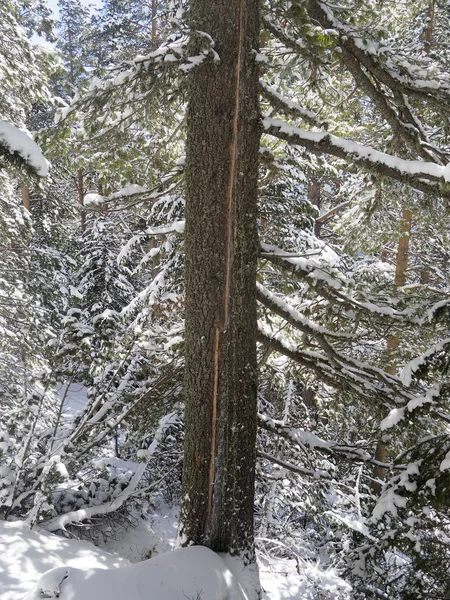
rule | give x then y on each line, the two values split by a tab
17	141
194	572
25	555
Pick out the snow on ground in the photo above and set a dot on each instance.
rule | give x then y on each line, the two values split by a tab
284	579
192	573
154	535
25	555
35	561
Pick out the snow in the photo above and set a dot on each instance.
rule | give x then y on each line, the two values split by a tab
261	58
307	114
445	464
93	199
315	268
358	151
390	500
283	579
18	141
194	572
75	399
193	61
356	525
414	365
129	190
176	227
77	516
395	416
25	555
31	561
447	172
398	414
295	314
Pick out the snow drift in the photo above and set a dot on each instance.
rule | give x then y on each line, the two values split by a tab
189	573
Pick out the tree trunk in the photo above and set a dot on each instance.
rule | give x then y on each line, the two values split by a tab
80	189
221	253
429	27
401	265
154	6
26	197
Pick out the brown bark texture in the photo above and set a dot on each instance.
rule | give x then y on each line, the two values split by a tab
429	28
26	197
221	244
154	6
401	265
80	190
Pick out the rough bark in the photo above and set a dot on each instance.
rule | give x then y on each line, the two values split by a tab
221	253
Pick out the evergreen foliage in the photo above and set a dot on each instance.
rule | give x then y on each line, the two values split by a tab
354	121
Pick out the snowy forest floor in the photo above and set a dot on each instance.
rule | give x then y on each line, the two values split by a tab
26	555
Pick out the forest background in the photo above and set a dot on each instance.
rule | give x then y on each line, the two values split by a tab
349	278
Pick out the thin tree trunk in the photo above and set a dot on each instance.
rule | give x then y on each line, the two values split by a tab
71	57
424	276
80	190
401	266
221	244
314	196
26	197
424	273
154	5
429	28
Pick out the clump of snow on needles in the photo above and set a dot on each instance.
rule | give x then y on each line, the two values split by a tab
398	414
15	140
445	464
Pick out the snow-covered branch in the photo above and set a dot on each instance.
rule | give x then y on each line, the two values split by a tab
314	473
314	442
288	107
330	286
342	373
77	516
17	148
294	317
424	176
380	61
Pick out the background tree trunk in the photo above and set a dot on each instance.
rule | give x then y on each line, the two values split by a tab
401	265
80	189
429	27
26	197
221	253
154	6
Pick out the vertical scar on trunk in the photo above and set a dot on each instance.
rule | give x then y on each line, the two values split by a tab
231	200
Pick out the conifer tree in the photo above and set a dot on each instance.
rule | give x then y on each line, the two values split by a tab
221	253
373	119
73	29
